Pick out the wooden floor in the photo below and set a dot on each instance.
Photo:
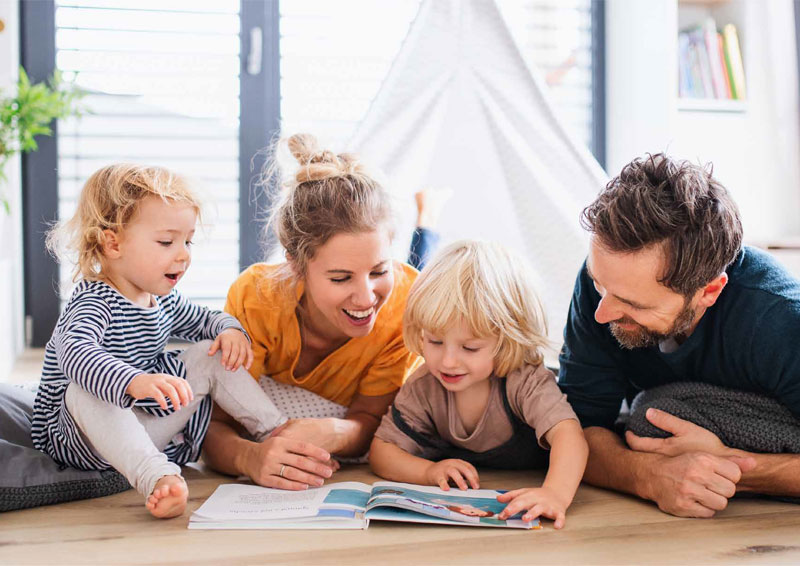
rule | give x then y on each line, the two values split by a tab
602	528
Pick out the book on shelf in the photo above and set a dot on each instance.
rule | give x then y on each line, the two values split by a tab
350	505
733	60
710	63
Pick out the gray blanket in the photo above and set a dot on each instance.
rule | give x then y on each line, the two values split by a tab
742	420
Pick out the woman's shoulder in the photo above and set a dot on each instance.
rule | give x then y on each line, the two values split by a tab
262	278
404	276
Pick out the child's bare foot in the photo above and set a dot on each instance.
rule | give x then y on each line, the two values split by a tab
430	203
168	498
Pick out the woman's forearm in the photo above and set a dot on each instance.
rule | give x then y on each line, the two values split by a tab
224	450
354	434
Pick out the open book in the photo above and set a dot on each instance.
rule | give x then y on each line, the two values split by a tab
350	505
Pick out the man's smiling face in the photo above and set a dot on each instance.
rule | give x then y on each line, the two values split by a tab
640	311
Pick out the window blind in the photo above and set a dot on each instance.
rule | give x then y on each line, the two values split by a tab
162	79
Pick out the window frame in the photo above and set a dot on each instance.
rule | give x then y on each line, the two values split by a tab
258	124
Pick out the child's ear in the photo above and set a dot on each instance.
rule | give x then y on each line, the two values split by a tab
111	247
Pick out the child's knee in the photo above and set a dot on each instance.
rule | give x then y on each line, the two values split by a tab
75	398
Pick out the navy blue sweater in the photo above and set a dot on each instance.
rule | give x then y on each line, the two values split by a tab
748	340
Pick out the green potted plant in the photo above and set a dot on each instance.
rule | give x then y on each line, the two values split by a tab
29	113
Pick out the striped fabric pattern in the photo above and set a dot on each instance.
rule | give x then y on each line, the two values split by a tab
101	342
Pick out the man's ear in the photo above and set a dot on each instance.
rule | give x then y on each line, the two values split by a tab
710	293
111	247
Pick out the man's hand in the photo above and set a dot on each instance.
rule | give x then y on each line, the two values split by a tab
236	350
161	386
686	437
695	484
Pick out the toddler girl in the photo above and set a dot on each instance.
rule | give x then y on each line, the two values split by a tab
110	396
483	397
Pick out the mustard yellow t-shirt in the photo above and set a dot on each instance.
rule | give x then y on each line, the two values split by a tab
372	365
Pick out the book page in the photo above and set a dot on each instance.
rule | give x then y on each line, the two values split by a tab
241	503
237	502
477	507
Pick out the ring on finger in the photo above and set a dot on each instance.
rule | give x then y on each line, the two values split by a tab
283	468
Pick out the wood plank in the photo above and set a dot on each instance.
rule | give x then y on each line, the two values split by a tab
602	528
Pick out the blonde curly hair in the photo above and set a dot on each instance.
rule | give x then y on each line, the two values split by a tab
108	201
490	289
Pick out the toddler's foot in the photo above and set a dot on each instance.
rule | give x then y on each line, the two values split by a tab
168	498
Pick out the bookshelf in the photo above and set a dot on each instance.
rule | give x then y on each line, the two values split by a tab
711	105
710	62
753	143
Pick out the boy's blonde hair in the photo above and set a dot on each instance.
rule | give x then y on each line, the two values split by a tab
329	194
108	201
491	290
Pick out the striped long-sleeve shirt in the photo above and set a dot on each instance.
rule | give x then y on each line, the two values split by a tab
101	342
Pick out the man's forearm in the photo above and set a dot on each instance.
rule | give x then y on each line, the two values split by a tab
613	465
774	474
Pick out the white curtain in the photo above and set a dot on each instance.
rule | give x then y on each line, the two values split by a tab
461	109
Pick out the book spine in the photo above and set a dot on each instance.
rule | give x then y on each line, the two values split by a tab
704	63
697	75
712	47
733	56
685	86
724	67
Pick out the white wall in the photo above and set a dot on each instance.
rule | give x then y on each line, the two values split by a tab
11	290
756	153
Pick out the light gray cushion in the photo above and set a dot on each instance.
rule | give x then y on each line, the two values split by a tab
28	477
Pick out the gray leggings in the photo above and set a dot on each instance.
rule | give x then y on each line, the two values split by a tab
132	440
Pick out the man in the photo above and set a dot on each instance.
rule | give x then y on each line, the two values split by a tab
668	294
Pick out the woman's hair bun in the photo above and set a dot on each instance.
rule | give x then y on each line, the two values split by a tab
317	164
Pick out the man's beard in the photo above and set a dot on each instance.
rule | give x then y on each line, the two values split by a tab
643	337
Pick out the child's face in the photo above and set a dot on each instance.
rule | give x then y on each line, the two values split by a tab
153	250
458	358
347	281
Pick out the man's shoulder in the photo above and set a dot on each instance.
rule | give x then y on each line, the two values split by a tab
757	275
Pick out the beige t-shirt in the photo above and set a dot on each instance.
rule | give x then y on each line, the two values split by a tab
430	410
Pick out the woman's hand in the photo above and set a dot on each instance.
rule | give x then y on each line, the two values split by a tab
458	471
536	501
325	433
236	350
285	463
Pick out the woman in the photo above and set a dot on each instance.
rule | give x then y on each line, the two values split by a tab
328	320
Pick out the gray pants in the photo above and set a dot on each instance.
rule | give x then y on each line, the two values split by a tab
132	440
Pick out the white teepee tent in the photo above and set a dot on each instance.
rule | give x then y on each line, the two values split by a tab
460	108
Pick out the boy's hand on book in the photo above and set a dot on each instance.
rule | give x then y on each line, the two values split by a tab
538	501
161	387
235	347
458	471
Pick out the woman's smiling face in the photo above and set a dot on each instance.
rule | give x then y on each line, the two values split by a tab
347	281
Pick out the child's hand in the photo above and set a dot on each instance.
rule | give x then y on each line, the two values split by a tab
538	501
461	472
161	386
235	347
